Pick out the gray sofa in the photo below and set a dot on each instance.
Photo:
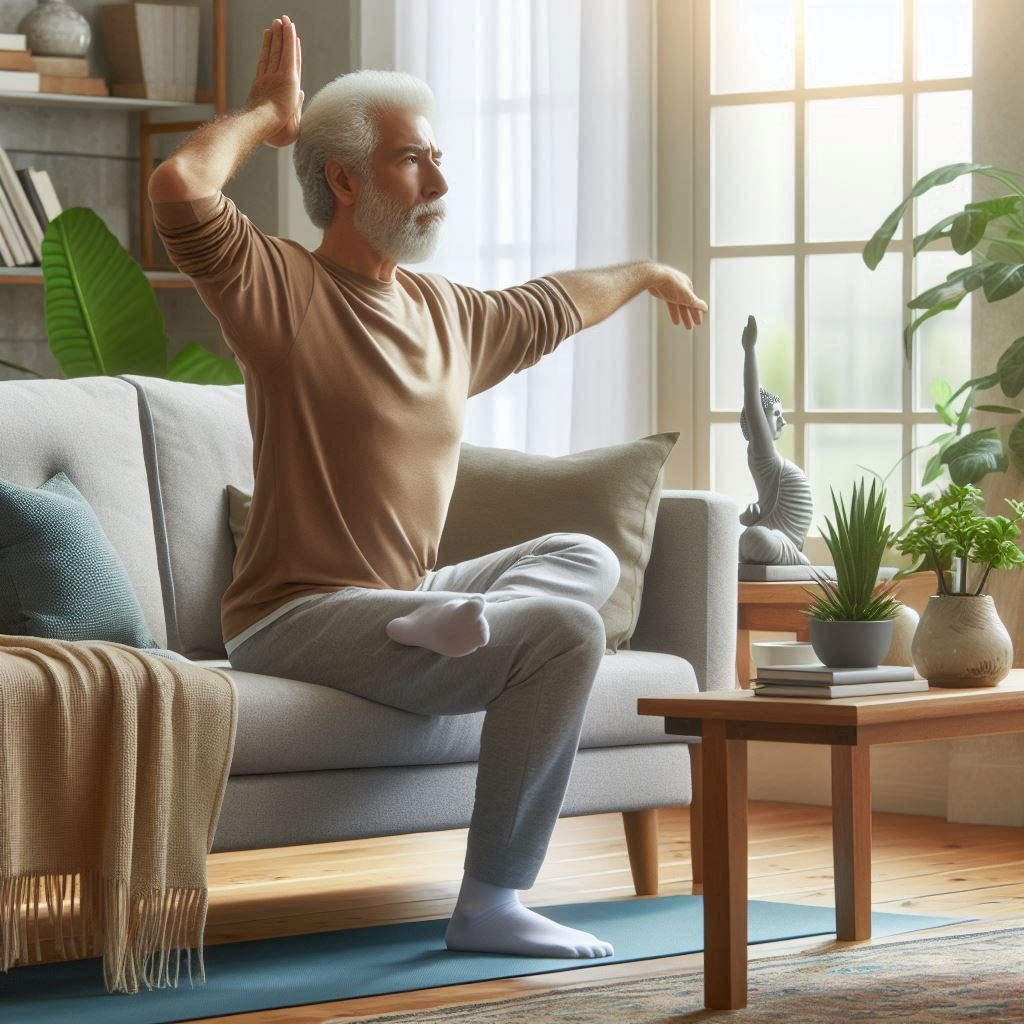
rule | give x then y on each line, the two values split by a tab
152	457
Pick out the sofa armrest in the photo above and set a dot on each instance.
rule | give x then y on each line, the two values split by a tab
688	604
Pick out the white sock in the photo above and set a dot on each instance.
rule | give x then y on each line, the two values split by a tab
452	628
490	919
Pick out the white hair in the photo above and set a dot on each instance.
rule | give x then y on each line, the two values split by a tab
340	123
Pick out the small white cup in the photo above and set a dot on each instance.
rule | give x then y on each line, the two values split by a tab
768	653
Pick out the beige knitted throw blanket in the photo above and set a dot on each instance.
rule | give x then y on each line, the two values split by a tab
113	767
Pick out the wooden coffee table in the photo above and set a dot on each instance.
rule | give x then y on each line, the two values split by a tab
727	719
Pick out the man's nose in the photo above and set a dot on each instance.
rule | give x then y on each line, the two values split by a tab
437	186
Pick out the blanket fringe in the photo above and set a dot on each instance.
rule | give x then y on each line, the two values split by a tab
138	937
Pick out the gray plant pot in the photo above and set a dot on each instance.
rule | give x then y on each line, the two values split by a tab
851	644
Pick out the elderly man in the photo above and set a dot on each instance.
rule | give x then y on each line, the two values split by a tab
357	373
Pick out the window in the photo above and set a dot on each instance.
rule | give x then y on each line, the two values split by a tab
814	118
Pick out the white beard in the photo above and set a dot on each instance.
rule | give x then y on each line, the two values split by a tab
395	233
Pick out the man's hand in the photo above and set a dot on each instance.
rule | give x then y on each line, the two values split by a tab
676	289
278	74
750	334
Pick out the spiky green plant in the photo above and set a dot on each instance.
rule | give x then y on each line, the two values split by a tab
857	541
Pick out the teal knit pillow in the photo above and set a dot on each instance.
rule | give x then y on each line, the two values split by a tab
60	576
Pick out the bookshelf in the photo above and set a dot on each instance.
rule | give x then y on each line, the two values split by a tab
207	103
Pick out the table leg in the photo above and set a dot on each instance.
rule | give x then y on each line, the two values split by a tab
744	667
851	840
697	819
724	773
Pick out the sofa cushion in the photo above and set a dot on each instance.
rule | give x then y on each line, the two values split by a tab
88	427
504	497
285	725
196	437
60	576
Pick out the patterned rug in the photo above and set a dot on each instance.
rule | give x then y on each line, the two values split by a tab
977	977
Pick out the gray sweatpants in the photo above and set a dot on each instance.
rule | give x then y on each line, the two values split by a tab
533	678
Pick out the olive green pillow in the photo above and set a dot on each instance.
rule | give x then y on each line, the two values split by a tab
60	577
503	497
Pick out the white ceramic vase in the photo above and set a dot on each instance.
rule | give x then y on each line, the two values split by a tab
961	642
55	29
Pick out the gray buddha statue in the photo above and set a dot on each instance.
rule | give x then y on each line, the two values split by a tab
777	523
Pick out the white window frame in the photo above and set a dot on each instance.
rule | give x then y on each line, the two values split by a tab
797	415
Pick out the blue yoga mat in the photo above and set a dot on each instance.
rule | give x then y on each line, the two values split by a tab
295	970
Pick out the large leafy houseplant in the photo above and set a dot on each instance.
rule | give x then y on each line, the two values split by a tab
102	315
993	232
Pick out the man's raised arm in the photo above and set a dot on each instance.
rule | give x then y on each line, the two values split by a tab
600	292
210	157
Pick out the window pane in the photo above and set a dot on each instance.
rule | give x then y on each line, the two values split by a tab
942	345
760	286
923	433
752	45
854	166
853	43
729	472
752	174
944	39
854	333
943	137
836	456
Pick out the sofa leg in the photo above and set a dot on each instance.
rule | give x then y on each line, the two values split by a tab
642	843
696	818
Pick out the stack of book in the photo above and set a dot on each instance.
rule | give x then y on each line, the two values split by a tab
822	681
28	203
21	71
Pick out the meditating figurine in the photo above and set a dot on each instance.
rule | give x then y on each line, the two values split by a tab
777	523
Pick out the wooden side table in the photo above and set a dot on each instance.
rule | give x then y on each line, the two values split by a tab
779	608
727	719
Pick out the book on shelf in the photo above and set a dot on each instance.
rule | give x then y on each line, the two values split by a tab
73	85
13	237
17	60
29	188
13	41
6	256
841	689
19	81
42	199
68	67
799	674
22	208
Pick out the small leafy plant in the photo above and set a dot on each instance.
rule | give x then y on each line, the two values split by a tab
102	315
857	542
953	525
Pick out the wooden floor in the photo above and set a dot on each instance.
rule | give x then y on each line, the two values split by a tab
921	864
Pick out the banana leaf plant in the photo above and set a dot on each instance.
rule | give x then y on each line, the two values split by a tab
993	231
102	314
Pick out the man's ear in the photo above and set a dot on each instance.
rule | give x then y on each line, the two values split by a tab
339	182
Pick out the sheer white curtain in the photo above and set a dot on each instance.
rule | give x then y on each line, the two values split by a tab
543	109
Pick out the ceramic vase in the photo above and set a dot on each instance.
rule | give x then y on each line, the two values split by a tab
55	29
904	625
851	644
962	642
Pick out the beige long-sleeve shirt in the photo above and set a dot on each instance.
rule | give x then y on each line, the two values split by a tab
356	392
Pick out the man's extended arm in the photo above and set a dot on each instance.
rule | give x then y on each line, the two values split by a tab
600	292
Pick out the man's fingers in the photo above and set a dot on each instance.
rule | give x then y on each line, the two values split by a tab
672	312
275	47
261	64
289	47
687	320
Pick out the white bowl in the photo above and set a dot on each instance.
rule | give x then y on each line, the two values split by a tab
768	653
